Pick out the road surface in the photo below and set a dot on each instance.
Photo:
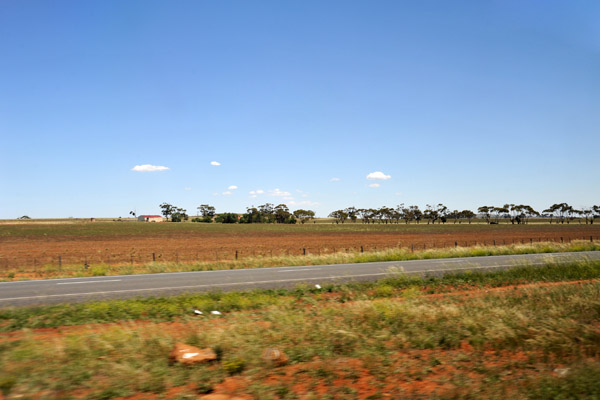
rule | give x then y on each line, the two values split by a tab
71	290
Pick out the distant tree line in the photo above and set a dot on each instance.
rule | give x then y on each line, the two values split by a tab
268	214
515	213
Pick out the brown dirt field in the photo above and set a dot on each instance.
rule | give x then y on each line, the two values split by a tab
407	373
217	246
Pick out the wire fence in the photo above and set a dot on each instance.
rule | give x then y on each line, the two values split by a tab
189	256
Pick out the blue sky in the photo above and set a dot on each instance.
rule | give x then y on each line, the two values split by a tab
466	103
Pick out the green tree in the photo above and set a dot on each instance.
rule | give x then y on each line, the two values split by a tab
227	218
560	211
178	214
282	214
207	212
304	215
468	214
267	212
166	210
486	212
352	213
339	215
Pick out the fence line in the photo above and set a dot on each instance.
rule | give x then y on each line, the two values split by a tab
38	263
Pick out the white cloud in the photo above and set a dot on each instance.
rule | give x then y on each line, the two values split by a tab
334	180
187	188
149	168
232	187
378	175
259	191
374	185
278	193
215	163
253	196
227	193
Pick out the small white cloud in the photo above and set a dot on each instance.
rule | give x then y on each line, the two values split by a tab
398	193
259	191
278	193
149	168
187	188
379	176
232	187
299	191
228	193
334	180
215	163
253	196
374	185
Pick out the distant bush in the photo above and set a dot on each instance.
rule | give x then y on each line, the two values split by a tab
227	218
206	219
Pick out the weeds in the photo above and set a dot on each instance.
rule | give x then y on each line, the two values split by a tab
395	254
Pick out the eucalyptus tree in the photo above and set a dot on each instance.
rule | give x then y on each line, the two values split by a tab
351	212
560	211
468	214
282	214
339	216
304	215
486	212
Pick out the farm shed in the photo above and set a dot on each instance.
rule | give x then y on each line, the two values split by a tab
150	218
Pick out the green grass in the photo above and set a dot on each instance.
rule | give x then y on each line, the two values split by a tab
172	308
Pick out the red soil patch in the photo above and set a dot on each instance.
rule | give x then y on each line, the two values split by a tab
403	373
214	246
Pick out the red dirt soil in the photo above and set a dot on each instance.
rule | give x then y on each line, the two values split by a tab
191	247
408	373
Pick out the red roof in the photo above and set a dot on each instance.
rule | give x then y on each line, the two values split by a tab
151	216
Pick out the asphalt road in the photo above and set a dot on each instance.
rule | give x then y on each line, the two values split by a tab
71	290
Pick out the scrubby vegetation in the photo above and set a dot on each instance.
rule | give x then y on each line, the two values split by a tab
409	337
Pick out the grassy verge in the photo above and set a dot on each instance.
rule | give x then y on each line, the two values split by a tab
397	254
358	334
173	308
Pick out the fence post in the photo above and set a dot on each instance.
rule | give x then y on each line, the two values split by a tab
455	244
531	241
303	251
561	239
153	257
412	247
362	250
59	262
236	254
494	242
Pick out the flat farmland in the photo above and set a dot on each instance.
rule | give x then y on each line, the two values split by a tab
32	244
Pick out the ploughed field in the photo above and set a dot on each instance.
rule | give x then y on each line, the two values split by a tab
38	244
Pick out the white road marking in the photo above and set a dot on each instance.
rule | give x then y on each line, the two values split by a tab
300	269
256	282
77	283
